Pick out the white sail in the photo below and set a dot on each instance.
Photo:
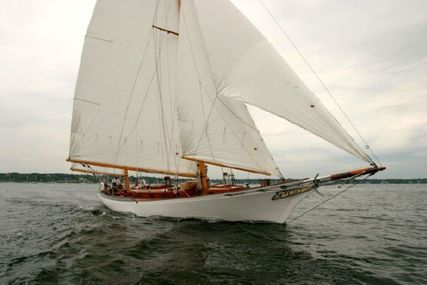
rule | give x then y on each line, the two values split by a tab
213	128
249	69
124	106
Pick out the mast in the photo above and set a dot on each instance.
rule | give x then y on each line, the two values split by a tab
203	176
127	184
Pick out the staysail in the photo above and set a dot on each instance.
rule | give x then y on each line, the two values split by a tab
245	67
124	112
213	128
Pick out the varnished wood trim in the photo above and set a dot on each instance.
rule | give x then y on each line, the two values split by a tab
203	176
131	168
366	170
94	171
127	183
252	170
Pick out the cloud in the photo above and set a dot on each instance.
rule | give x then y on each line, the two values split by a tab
39	54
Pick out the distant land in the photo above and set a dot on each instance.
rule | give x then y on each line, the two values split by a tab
86	178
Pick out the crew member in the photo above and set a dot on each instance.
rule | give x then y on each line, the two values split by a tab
117	184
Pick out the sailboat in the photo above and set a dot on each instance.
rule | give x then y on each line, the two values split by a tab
163	88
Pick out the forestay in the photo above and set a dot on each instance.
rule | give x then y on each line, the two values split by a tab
125	104
247	68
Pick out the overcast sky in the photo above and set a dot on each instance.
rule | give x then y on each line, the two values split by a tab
372	55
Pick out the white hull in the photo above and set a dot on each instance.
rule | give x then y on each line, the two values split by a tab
249	206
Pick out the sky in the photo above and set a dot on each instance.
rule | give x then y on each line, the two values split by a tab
372	56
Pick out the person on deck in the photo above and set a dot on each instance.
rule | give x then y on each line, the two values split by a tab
117	184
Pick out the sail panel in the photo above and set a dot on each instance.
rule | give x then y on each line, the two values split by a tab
249	69
125	102
213	127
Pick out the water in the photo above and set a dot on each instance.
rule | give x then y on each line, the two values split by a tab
60	233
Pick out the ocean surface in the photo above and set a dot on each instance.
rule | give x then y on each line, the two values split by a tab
61	234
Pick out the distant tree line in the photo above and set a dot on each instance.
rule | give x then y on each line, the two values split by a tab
64	178
47	178
86	178
395	181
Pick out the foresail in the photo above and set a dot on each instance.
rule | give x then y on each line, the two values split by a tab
213	128
125	103
249	69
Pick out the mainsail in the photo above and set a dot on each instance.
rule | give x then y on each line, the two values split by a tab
245	67
124	112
